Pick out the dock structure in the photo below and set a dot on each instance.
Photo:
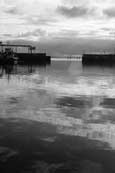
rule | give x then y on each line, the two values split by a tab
27	56
14	47
90	59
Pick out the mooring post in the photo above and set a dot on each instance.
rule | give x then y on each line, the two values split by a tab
1	47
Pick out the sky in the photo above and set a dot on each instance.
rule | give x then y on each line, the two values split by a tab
60	27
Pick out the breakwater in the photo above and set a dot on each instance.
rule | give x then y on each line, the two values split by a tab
25	58
98	58
34	58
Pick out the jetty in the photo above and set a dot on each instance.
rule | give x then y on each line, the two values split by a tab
12	53
105	58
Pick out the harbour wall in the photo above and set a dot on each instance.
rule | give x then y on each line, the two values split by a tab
33	58
98	58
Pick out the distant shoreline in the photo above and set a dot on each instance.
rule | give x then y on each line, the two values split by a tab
66	59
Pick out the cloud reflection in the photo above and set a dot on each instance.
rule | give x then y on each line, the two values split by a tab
82	107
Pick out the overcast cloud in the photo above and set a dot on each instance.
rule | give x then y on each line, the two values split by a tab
54	21
75	11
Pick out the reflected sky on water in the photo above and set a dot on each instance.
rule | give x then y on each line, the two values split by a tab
71	103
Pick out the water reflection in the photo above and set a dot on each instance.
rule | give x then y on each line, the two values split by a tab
57	118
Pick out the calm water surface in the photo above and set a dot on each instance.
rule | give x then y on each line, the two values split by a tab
57	119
